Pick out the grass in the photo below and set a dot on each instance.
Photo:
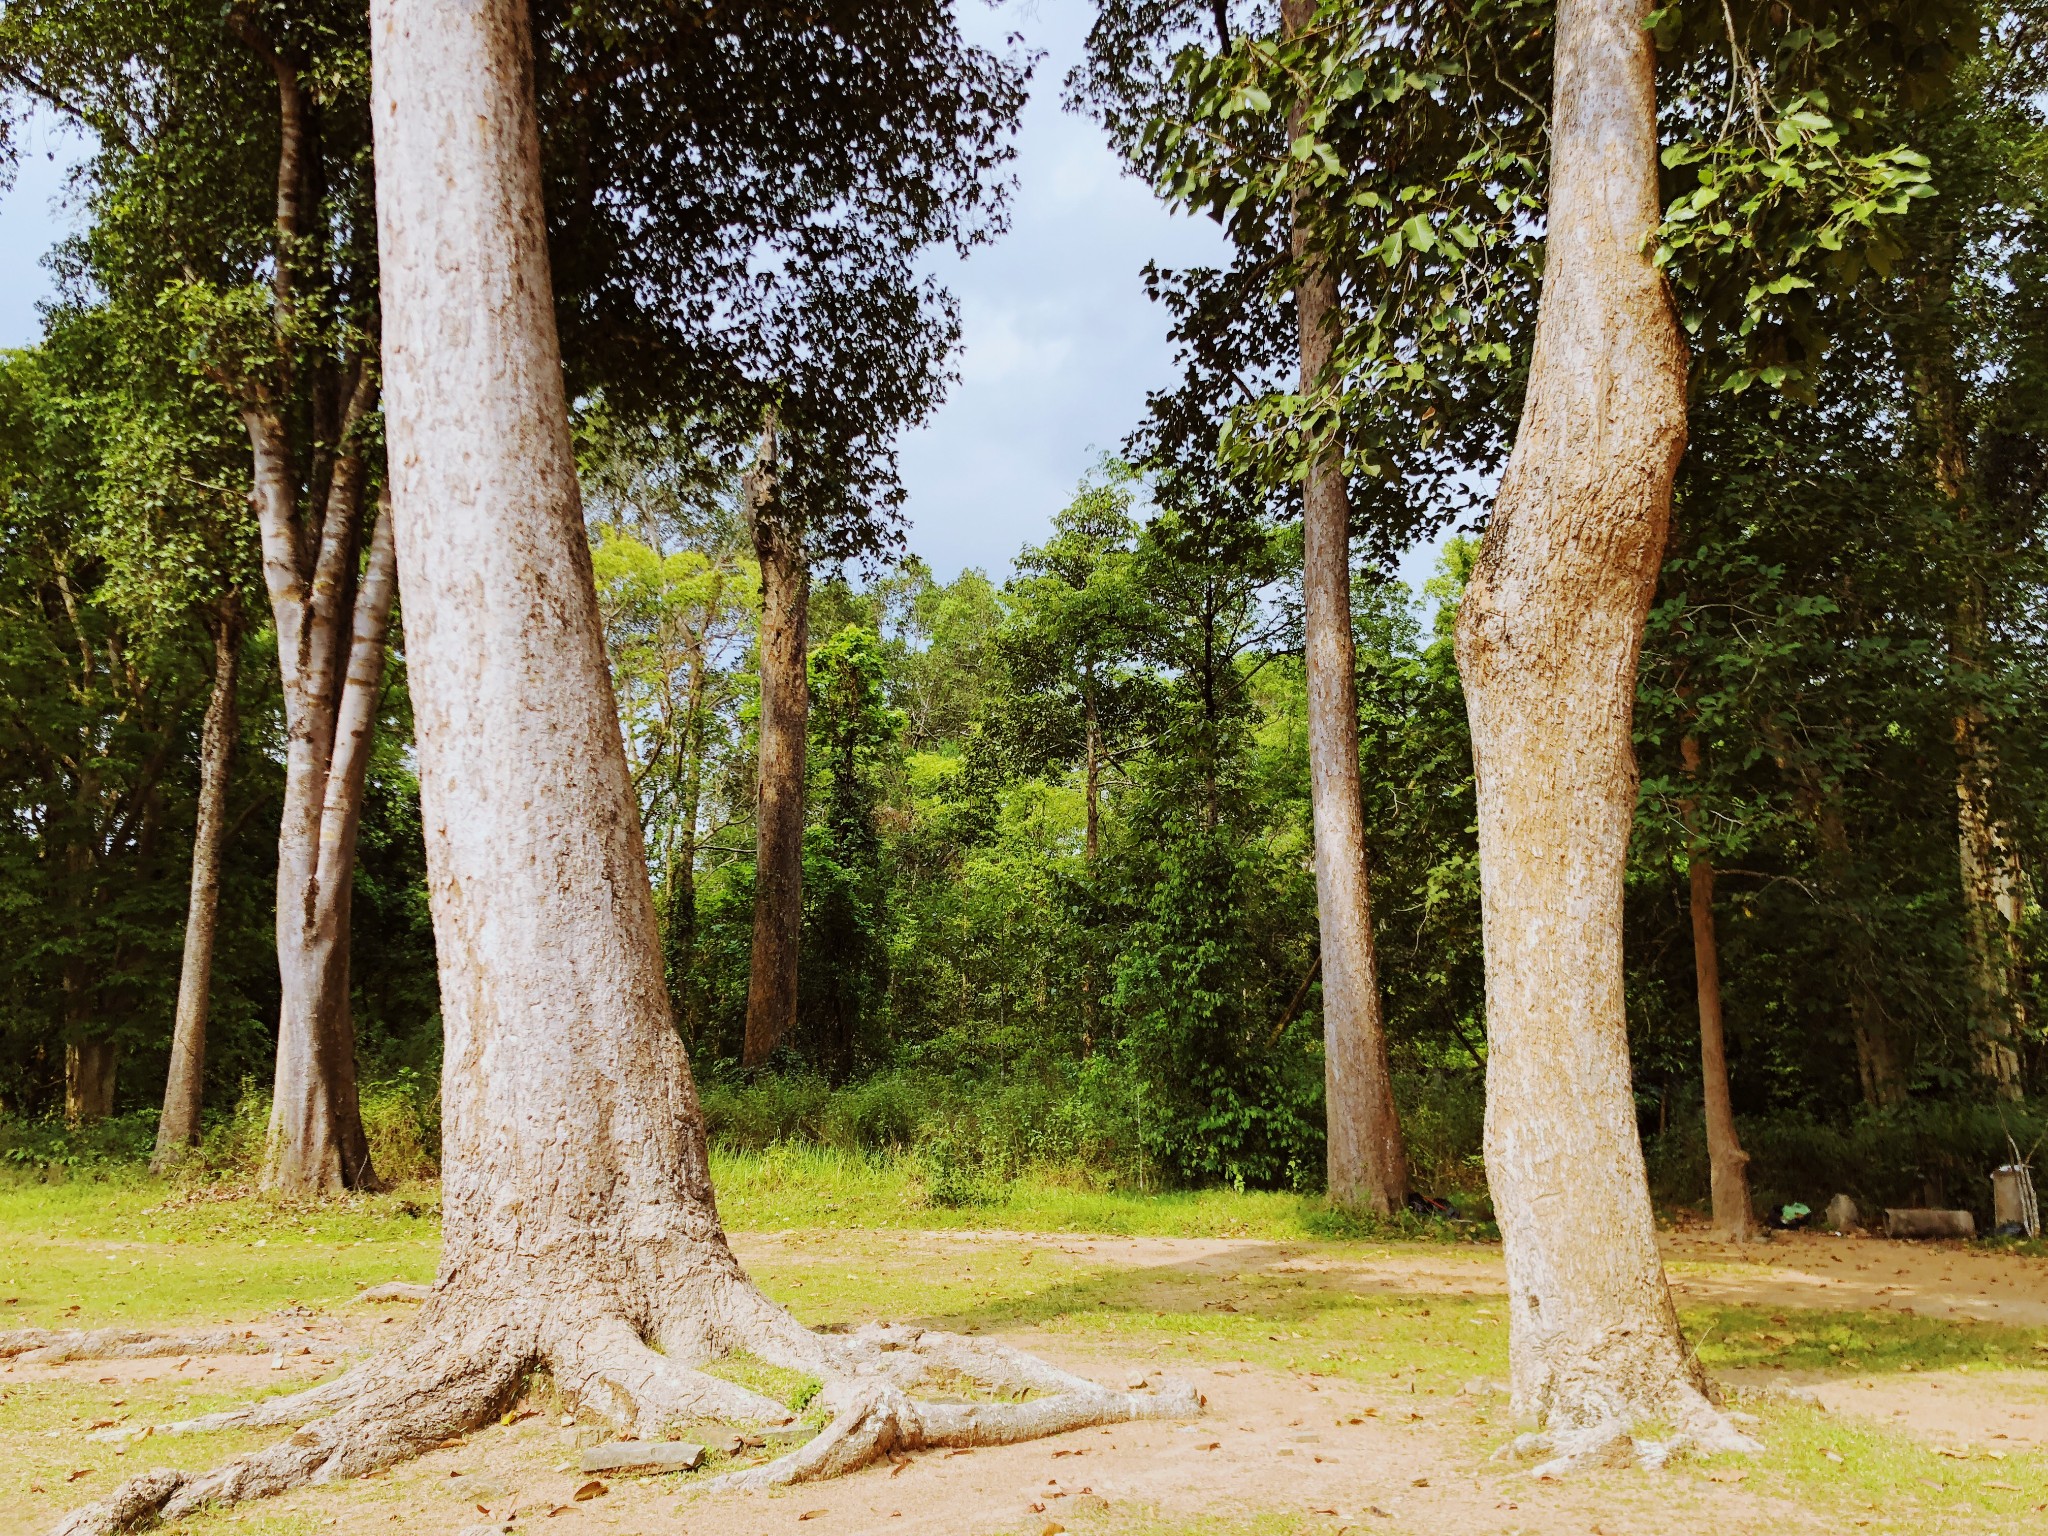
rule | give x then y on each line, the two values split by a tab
832	1238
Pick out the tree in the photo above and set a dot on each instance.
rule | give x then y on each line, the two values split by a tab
1548	636
565	1078
251	242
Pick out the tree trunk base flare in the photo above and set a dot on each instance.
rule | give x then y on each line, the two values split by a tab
1698	1428
469	1356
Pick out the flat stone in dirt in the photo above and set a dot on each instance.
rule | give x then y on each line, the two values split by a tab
643	1456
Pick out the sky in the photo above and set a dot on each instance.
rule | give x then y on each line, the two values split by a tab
1059	343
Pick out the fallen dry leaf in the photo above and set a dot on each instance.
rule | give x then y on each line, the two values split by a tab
591	1490
1727	1475
77	1473
814	1514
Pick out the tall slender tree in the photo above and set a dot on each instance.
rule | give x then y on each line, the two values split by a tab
252	235
1548	635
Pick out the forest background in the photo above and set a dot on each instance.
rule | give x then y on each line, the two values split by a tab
1058	911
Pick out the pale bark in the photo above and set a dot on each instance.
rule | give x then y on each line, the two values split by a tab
1367	1161
330	620
1727	1163
178	1127
580	1232
784	732
1548	637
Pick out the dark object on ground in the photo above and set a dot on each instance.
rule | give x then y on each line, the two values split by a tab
1423	1205
1916	1222
1787	1217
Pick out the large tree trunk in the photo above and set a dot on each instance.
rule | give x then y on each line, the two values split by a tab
1727	1163
785	728
178	1127
1367	1161
580	1232
1548	636
89	1068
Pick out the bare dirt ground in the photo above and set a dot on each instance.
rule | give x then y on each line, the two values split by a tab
1279	1449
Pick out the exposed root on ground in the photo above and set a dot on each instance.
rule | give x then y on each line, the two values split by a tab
461	1364
53	1346
1699	1428
393	1290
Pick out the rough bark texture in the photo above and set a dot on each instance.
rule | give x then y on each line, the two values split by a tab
1367	1160
580	1232
1727	1163
784	729
1548	637
178	1127
89	1069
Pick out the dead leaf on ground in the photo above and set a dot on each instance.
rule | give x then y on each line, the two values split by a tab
591	1490
814	1514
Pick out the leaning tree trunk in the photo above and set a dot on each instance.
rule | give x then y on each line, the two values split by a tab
1367	1162
178	1127
580	1232
1548	636
785	728
1727	1163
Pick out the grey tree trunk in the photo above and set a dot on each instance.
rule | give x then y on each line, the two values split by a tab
785	728
580	1234
330	620
178	1127
1367	1161
1548	636
89	1072
1727	1163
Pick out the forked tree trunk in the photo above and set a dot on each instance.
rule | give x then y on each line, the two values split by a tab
1367	1162
1727	1163
784	729
316	1143
1548	636
178	1127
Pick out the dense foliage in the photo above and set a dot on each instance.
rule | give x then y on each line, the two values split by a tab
1058	906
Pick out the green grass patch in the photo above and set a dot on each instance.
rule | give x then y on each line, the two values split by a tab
793	1389
1868	1341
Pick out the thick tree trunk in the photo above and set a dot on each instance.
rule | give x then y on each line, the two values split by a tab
1367	1160
1727	1163
178	1127
89	1069
580	1234
1548	636
785	727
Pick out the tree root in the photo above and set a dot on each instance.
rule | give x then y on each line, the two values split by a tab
392	1290
53	1346
461	1365
1700	1429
